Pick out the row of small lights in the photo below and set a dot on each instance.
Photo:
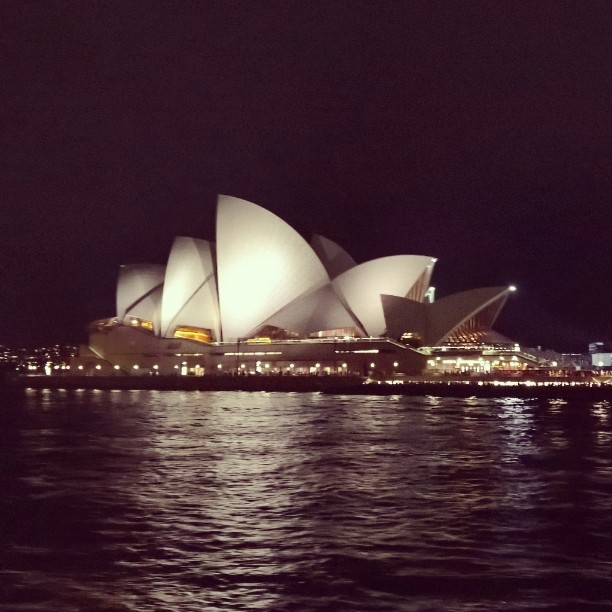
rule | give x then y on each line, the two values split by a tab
219	366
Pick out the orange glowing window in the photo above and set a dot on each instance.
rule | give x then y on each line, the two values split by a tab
199	334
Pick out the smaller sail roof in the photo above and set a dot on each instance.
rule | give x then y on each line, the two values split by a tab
139	290
448	313
190	289
437	321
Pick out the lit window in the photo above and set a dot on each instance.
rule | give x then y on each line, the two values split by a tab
199	334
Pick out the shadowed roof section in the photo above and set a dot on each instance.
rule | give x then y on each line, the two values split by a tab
335	259
450	312
262	265
405	315
435	322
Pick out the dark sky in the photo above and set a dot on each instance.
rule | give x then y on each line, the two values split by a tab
475	132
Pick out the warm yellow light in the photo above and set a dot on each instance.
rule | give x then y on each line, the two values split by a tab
261	340
199	334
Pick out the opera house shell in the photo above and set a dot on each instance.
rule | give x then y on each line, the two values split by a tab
261	299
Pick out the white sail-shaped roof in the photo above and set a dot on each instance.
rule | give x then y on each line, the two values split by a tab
190	290
362	286
262	265
319	310
335	259
139	290
135	284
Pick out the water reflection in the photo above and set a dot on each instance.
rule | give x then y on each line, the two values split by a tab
152	500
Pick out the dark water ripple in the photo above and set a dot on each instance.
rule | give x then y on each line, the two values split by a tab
150	500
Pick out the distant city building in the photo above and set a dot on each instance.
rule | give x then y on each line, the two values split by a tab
45	359
262	300
601	354
601	360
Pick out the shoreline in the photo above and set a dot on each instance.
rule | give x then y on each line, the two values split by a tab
344	385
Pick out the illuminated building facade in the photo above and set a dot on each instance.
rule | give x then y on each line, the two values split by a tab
262	300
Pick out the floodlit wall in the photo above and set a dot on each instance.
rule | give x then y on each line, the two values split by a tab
362	286
190	289
601	360
262	265
131	351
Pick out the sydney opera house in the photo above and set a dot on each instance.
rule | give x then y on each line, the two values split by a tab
263	300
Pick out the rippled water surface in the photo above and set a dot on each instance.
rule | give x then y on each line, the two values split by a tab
145	500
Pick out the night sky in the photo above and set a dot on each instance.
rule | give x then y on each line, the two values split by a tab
475	132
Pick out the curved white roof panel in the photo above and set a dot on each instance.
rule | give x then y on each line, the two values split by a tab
136	282
139	290
362	286
190	289
262	265
335	259
319	310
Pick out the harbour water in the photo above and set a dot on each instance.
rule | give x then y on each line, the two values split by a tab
169	500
